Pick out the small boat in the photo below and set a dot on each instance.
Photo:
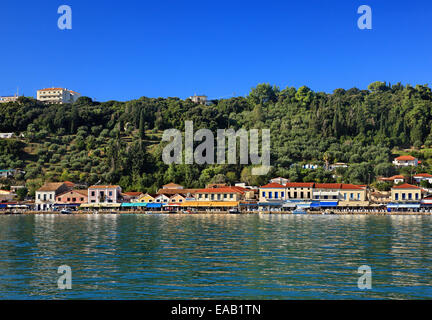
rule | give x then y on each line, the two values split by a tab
234	211
299	211
66	211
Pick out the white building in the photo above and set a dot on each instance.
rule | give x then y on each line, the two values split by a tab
199	99
46	195
6	99
405	161
57	95
419	177
6	135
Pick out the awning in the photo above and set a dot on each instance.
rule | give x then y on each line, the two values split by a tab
134	205
270	204
328	204
67	205
404	205
18	206
101	205
249	204
289	205
318	204
154	205
210	204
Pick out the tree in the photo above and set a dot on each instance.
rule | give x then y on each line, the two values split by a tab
22	193
142	125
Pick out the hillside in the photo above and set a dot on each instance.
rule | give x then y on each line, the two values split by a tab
120	142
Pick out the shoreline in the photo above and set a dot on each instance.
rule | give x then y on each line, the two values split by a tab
374	213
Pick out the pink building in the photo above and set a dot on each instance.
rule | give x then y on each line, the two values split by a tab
72	197
104	194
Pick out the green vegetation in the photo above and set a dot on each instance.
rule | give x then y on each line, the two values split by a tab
120	142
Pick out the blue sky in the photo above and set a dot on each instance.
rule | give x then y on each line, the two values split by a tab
122	50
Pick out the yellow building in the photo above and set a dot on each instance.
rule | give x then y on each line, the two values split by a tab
299	190
221	194
271	192
406	193
147	198
177	198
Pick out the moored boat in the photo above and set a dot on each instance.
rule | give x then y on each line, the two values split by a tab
299	211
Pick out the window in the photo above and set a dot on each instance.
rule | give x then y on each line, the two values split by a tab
270	195
351	196
409	196
282	194
403	196
110	193
92	193
212	197
68	199
396	196
358	196
345	196
263	194
73	199
218	196
81	199
58	199
295	194
416	196
231	196
225	196
301	195
276	195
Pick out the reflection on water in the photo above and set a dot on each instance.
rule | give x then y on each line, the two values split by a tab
215	256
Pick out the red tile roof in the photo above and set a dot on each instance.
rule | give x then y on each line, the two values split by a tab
424	175
222	190
327	185
104	187
352	187
132	194
273	185
393	178
405	158
299	185
406	186
171	185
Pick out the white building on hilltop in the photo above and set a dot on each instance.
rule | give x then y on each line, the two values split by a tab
57	95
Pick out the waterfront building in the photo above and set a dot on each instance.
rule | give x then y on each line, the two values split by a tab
406	193
405	197
57	95
131	196
272	192
162	198
147	198
419	177
299	190
104	194
351	195
223	194
405	161
72	198
6	195
177	198
46	195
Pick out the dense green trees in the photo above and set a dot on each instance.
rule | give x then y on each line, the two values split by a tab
120	142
